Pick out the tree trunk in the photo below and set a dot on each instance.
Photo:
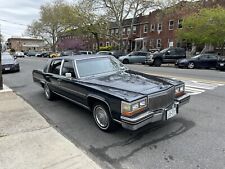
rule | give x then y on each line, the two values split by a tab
97	40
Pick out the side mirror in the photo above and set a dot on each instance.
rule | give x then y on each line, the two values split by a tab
15	57
68	75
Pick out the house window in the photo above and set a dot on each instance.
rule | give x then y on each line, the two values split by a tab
171	24
116	31
158	43
128	31
180	25
145	28
159	27
152	27
124	31
112	32
151	43
170	43
107	44
134	29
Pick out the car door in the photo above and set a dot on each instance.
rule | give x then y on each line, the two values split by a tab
133	57
170	56
53	75
212	61
69	85
202	61
141	57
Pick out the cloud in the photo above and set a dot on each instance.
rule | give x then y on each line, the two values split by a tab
15	15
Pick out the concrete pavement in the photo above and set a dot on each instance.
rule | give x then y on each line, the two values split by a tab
28	141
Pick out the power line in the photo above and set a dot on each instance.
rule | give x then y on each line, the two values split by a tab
15	23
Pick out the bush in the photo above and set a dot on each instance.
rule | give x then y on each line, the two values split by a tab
12	51
105	48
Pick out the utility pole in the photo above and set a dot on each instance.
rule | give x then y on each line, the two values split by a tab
1	81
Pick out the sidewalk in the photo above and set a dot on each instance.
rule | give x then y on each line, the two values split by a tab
27	141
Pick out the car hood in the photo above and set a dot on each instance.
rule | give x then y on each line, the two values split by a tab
127	85
7	61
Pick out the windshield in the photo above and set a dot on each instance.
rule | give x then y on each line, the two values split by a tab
197	56
164	50
95	66
7	57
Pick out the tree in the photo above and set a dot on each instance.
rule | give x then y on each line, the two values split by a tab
55	18
89	22
205	27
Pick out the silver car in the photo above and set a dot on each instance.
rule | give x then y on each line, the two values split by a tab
134	57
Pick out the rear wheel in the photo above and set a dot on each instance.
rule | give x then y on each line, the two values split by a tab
191	65
125	61
103	118
157	62
48	93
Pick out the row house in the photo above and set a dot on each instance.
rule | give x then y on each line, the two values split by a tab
158	29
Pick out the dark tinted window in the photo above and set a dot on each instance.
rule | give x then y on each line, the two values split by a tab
55	67
212	57
68	68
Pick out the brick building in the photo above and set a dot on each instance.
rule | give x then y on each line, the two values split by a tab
25	44
158	29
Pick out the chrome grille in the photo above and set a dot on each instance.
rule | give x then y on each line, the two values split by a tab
161	100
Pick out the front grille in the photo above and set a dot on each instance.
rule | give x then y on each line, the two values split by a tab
161	100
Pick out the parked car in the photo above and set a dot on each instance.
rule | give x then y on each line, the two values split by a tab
104	53
114	94
54	54
168	55
199	61
9	63
85	52
43	54
31	53
221	64
67	53
19	54
134	57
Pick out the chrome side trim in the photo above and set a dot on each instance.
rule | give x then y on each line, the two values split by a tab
80	104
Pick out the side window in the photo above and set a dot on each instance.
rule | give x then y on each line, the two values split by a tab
55	67
68	68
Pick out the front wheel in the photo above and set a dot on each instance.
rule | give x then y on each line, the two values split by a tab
158	62
102	117
191	65
125	61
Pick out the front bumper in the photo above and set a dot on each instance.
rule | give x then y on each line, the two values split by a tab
149	61
134	123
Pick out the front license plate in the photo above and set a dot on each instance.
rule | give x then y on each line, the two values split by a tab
171	113
7	68
221	64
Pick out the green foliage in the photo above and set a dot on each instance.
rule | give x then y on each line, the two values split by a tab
12	51
55	18
105	48
205	27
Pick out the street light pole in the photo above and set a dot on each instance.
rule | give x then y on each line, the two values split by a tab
1	80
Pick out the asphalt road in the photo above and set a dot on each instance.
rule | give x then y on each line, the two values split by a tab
194	139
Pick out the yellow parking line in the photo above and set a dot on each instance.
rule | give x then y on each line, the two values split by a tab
187	78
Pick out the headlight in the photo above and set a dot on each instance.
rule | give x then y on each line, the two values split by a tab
179	91
129	109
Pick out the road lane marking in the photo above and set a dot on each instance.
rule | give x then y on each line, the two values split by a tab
221	83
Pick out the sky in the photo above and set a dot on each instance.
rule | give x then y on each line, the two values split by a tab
15	15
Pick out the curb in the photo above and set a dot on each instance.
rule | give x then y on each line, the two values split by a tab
6	89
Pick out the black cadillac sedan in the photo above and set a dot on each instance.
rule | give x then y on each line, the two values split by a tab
199	61
114	94
9	63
